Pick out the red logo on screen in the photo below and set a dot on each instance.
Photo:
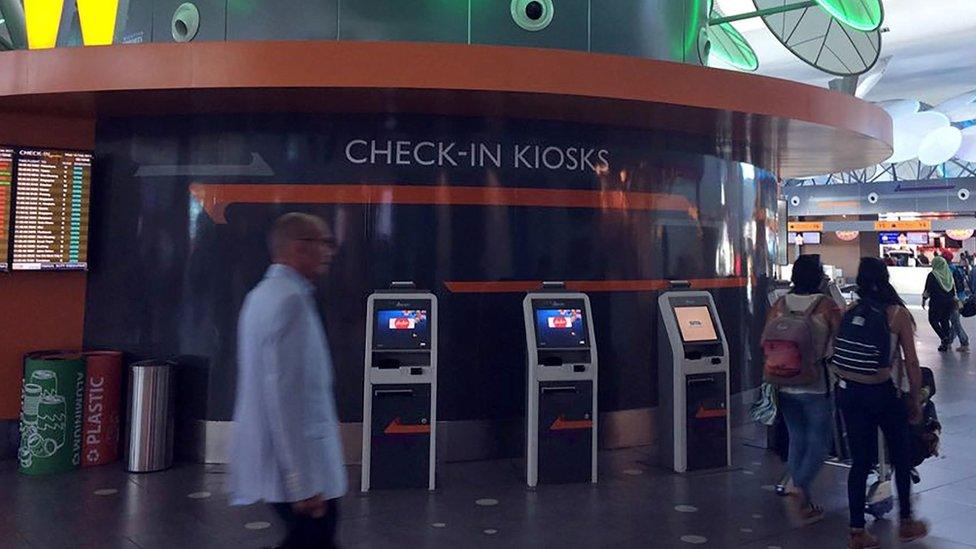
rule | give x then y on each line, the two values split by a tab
401	324
560	322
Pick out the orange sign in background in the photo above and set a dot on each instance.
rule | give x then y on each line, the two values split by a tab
914	225
805	226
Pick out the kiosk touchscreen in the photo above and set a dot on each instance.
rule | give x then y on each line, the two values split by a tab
400	390
693	383
562	387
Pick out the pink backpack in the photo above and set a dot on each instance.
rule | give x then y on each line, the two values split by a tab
790	356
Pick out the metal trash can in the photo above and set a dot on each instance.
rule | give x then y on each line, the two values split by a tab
149	445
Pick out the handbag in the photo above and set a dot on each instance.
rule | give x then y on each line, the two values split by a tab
765	409
969	307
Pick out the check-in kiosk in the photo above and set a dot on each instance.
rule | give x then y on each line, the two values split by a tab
693	383
400	389
562	387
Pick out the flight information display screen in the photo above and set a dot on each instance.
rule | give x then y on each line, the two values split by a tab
6	197
807	238
560	328
50	213
402	329
695	324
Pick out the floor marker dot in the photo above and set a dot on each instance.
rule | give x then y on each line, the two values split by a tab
199	495
486	502
686	508
106	492
258	525
696	540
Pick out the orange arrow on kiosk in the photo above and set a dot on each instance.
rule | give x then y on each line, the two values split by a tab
563	424
215	198
704	413
397	428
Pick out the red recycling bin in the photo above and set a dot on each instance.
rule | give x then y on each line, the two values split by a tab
103	403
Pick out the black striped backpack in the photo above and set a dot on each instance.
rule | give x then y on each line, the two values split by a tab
862	348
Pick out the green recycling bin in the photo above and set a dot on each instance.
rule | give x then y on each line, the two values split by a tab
51	413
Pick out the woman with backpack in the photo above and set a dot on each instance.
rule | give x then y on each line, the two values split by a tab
940	292
876	338
805	407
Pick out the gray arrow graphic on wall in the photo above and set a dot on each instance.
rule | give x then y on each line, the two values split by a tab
257	166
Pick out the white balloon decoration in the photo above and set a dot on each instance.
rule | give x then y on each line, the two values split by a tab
909	131
939	146
899	108
960	108
967	150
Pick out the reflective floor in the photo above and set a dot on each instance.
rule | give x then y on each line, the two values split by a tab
485	504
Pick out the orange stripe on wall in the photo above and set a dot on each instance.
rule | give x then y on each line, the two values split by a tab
216	198
710	283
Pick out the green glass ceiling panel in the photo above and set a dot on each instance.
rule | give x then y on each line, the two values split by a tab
730	46
863	15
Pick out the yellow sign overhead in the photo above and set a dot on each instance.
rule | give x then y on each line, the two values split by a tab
805	226
915	225
43	20
97	21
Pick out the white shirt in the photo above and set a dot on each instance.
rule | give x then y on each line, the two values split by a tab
285	443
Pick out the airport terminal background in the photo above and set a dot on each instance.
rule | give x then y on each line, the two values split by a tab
558	224
636	503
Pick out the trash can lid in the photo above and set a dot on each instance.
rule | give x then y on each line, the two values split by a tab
153	363
103	353
54	355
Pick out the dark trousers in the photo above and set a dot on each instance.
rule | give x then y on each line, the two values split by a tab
866	408
941	320
306	532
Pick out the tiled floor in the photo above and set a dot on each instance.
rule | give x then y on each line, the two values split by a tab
634	505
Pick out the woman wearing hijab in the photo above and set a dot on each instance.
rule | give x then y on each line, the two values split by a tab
940	291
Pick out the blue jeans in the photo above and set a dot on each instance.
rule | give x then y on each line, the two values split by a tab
807	418
957	328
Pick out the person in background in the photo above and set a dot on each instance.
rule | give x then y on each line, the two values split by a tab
972	276
966	261
940	292
959	278
285	446
806	408
869	399
889	261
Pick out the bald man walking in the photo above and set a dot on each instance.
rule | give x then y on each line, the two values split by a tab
285	446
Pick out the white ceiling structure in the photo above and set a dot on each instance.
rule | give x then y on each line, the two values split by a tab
931	45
